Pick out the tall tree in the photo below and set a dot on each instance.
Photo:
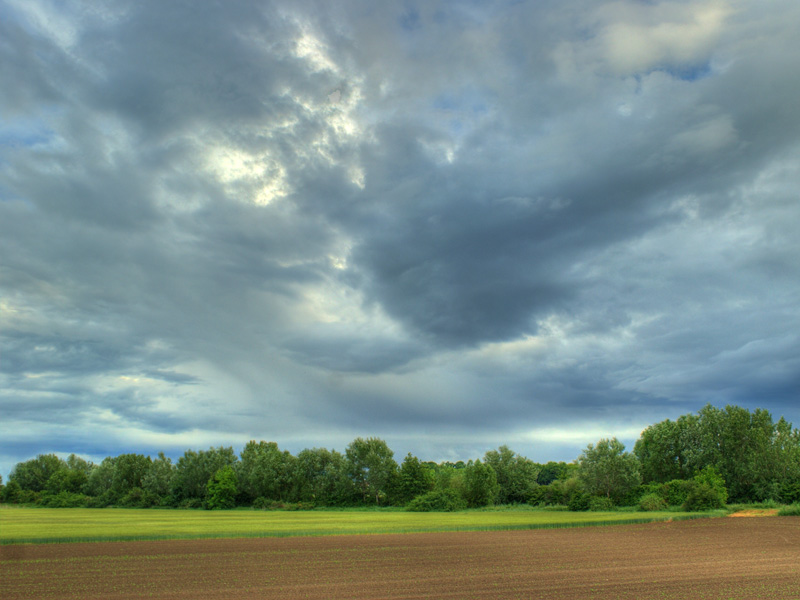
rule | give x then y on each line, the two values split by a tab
194	469
323	479
372	468
607	470
480	484
267	472
516	475
415	478
33	474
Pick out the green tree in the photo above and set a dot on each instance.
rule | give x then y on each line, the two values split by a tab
195	468
33	474
129	473
372	468
323	479
158	479
516	475
551	471
414	479
665	450
266	472
607	470
480	484
221	489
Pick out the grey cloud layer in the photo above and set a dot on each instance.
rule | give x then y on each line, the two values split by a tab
305	223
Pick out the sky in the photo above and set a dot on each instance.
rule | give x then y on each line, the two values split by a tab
449	224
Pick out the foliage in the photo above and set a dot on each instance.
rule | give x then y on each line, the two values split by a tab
480	484
222	489
414	479
651	502
516	475
756	456
64	500
447	500
371	467
753	459
551	471
600	504
322	477
579	502
265	471
193	471
33	474
158	479
607	470
792	510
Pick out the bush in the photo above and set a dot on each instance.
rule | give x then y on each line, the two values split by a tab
64	500
793	510
790	491
262	503
676	492
139	498
579	502
446	500
651	502
703	497
601	504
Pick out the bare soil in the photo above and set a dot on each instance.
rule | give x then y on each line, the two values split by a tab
701	559
755	512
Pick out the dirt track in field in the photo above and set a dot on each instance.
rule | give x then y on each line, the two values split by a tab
702	559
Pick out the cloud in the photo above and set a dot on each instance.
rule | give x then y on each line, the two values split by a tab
453	226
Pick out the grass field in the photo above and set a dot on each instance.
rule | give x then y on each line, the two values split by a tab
41	525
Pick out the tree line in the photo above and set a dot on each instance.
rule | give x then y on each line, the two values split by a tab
699	461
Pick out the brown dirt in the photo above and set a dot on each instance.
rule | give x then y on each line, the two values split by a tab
702	559
755	512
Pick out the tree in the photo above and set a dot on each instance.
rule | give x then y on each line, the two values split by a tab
607	470
194	469
664	450
266	472
414	479
129	472
371	467
480	484
322	477
33	474
516	475
221	489
158	479
551	471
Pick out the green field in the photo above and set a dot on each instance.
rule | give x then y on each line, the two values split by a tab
40	525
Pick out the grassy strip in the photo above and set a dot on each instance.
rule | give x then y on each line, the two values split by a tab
792	510
26	525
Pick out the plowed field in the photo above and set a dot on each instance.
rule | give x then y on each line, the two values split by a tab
713	558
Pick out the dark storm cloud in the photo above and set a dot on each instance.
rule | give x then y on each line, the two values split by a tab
487	222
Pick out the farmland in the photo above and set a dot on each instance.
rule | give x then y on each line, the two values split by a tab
703	559
18	524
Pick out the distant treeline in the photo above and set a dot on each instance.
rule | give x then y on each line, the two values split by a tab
698	461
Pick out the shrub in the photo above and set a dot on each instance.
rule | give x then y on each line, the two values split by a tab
446	500
651	502
676	492
793	510
262	503
191	503
579	502
790	491
139	498
64	500
703	497
601	504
